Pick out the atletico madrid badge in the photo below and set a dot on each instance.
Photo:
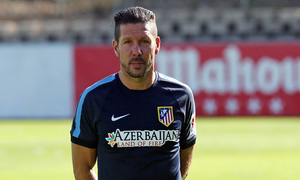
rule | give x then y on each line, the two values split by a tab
165	115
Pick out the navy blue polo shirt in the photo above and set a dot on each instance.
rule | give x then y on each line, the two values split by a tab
138	133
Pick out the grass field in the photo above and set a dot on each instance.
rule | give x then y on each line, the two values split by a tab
227	149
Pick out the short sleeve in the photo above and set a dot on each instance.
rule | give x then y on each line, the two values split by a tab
83	130
189	131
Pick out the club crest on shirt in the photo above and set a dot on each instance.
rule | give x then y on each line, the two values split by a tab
165	115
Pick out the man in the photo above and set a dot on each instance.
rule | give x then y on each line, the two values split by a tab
137	123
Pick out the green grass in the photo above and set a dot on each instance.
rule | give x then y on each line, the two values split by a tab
35	150
247	149
227	149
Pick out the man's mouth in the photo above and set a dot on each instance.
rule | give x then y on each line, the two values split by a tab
137	62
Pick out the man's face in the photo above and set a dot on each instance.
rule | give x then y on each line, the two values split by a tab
136	49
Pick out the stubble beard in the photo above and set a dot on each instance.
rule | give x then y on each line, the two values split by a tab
137	75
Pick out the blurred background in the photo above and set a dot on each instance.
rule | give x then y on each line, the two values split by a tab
90	21
241	59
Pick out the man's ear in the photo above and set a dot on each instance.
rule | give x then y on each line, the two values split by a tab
157	44
115	46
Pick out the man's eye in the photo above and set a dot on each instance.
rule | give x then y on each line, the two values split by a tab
126	42
145	41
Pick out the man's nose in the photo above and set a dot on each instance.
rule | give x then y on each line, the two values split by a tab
136	50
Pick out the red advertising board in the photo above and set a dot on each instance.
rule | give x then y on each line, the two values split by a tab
92	63
227	79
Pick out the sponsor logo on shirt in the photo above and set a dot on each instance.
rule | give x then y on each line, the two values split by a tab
138	138
113	118
193	129
165	115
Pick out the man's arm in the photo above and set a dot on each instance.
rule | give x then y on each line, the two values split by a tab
186	156
84	160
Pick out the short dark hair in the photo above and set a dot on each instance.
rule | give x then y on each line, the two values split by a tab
133	15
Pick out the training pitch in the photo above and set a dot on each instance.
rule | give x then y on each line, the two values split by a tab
232	148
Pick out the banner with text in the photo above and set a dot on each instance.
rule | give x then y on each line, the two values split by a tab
226	79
